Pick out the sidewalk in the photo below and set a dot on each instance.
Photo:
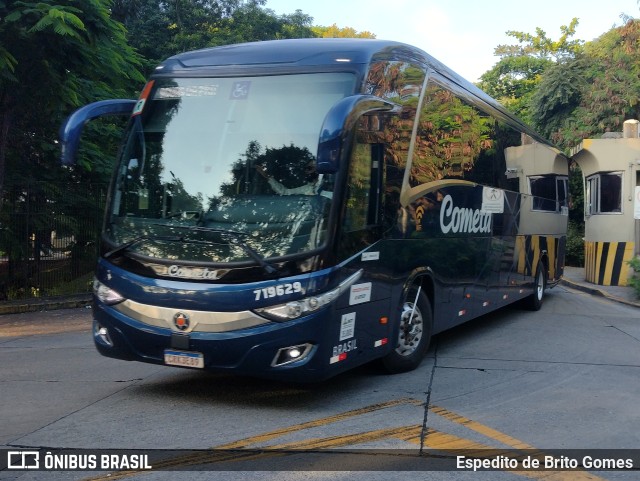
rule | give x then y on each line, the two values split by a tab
574	278
45	304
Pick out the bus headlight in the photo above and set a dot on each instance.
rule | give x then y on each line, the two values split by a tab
106	294
295	309
307	305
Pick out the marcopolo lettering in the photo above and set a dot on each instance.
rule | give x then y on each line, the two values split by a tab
461	219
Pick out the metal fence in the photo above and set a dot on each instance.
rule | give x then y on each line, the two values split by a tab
48	239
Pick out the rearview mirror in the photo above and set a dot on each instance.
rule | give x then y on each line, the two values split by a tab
339	125
71	129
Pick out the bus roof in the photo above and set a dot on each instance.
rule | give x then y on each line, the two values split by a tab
294	52
316	52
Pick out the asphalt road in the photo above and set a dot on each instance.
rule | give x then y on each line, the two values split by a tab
563	378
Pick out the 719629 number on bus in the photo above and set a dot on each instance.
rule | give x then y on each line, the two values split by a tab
276	291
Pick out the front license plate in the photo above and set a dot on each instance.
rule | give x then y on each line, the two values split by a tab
183	358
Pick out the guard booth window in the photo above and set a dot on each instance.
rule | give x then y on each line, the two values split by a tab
549	191
604	193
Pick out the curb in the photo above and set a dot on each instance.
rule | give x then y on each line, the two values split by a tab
597	292
49	304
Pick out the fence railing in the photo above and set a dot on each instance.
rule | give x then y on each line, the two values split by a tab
48	239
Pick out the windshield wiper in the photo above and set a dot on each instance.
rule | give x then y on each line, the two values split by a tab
235	238
137	240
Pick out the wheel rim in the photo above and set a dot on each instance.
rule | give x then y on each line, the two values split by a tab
410	332
539	286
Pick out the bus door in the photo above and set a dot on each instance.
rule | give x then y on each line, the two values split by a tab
362	323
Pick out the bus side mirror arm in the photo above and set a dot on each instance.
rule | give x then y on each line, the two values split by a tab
339	123
71	129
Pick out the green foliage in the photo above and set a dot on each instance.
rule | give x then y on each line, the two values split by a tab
159	29
613	81
541	46
63	20
635	280
63	54
512	82
592	93
515	77
558	94
576	192
250	23
56	55
337	32
574	254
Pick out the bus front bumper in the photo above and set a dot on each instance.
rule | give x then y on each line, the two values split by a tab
273	350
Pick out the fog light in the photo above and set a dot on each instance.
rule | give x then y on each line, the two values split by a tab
287	355
102	333
294	353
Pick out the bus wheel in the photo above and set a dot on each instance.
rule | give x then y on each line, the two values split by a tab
414	334
534	301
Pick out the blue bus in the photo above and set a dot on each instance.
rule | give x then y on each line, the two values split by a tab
292	209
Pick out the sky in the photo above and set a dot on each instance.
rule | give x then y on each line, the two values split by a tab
463	34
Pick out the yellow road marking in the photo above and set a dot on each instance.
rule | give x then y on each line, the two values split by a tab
514	443
261	438
480	428
213	456
351	439
434	440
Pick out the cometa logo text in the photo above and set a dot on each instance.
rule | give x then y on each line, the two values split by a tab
460	219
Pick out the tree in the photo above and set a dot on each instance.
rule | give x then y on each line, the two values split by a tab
612	87
250	23
515	77
56	55
584	95
159	29
557	95
336	32
594	92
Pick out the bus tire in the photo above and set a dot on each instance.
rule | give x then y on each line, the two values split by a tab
414	334
534	301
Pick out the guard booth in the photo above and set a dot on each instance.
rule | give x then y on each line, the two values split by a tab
540	174
611	173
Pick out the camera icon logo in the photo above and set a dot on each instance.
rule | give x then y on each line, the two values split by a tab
23	460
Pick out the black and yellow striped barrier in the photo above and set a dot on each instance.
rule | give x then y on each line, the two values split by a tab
606	263
530	248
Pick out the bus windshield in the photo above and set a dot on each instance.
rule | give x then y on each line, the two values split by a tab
223	169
